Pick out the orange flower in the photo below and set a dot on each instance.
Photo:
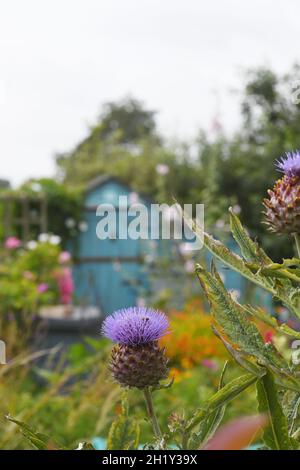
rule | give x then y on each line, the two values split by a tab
192	339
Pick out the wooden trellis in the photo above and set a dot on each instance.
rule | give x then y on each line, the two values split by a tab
27	218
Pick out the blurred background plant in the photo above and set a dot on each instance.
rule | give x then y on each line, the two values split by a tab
31	276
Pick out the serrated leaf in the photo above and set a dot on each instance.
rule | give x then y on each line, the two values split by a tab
235	262
221	252
276	436
250	250
280	273
221	398
232	319
38	440
239	357
123	434
291	404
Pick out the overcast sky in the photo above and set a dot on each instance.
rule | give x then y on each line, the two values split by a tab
61	59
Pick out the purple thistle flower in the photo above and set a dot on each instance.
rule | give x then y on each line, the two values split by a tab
135	326
290	164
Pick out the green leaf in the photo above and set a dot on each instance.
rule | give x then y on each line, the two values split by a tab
276	436
235	262
291	404
232	319
123	434
210	424
38	440
260	314
250	250
239	357
229	258
221	398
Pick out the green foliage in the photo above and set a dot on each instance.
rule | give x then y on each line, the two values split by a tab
28	281
38	440
210	424
234	325
219	399
276	436
124	432
128	118
64	203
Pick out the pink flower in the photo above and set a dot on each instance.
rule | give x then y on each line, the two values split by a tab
209	364
65	286
43	287
11	243
64	257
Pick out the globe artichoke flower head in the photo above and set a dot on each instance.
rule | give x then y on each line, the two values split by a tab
137	360
283	206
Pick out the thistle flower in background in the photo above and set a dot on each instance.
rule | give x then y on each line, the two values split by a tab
283	206
137	360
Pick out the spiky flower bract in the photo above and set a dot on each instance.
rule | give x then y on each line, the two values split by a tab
137	360
135	325
290	164
283	206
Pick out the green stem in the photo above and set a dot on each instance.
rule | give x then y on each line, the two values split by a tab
297	240
185	440
151	413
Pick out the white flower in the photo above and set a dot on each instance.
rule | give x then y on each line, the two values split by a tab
83	226
43	237
236	209
162	169
54	240
31	245
70	223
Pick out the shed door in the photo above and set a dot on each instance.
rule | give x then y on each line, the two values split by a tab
108	272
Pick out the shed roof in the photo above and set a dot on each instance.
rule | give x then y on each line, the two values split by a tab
100	180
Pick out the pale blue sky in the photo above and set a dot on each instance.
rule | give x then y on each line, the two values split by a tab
61	59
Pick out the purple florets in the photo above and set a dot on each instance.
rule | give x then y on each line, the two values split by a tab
135	325
290	164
